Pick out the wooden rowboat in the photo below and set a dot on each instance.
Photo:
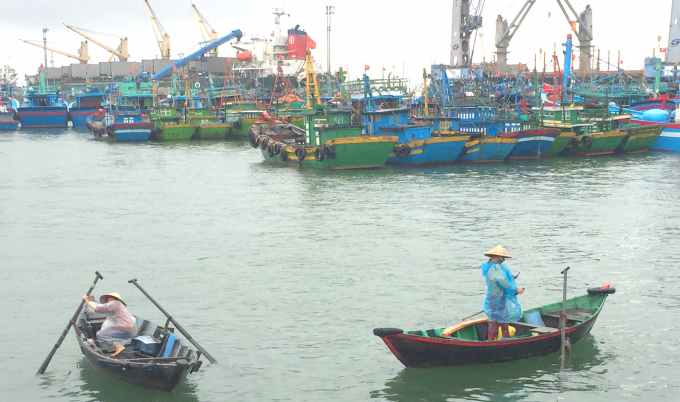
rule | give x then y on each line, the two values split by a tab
156	359
537	334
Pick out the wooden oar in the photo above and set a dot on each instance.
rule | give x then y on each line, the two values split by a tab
179	327
563	317
42	368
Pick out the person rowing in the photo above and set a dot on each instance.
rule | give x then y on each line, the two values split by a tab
119	327
500	304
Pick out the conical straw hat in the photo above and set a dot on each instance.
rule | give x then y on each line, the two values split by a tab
498	251
102	298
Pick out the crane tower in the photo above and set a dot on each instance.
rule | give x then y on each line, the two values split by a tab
467	17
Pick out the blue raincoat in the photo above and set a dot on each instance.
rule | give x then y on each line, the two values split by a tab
501	300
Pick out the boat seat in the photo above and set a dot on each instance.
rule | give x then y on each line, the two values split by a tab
533	328
574	314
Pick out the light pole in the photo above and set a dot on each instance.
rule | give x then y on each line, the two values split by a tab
45	45
329	12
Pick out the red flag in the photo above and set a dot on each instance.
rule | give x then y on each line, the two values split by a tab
41	67
174	68
228	59
662	50
573	26
383	68
366	67
310	43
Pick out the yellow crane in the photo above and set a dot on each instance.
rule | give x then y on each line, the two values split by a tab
162	38
121	51
205	29
83	54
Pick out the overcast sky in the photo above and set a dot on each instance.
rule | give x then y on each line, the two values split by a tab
401	35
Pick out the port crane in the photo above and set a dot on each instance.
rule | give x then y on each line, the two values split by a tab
121	51
207	32
505	32
467	18
205	48
162	37
83	55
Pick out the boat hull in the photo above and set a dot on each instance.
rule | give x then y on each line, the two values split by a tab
598	145
79	116
668	140
175	132
364	152
214	131
132	131
640	139
532	144
487	150
559	144
43	116
466	343
431	151
414	351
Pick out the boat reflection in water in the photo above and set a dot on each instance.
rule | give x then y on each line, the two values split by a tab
513	380
101	387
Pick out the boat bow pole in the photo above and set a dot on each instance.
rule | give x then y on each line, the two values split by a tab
179	327
563	317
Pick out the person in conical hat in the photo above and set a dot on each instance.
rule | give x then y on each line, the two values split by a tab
500	304
119	327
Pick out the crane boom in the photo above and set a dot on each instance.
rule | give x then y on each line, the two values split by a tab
121	52
84	56
205	48
162	38
204	26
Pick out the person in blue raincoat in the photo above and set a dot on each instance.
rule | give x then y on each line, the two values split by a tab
500	305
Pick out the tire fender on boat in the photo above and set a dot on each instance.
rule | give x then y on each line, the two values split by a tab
301	153
277	148
320	153
602	290
587	140
237	124
264	141
330	151
397	150
283	154
270	150
405	149
574	142
253	140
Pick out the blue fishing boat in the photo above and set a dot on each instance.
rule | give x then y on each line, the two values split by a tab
9	119
121	123
532	143
487	143
660	111
416	145
43	108
85	106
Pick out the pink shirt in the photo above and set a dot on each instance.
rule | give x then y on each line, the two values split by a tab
118	316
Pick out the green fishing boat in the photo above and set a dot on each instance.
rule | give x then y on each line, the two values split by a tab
639	138
329	140
170	126
558	145
596	131
206	125
243	114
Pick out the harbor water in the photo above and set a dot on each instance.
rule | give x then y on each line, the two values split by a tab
281	273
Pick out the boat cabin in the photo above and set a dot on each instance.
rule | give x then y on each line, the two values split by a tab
322	126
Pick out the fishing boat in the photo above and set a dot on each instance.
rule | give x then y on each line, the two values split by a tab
532	143
155	359
329	141
168	125
656	112
639	138
84	107
8	119
416	144
536	334
43	107
122	123
596	131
